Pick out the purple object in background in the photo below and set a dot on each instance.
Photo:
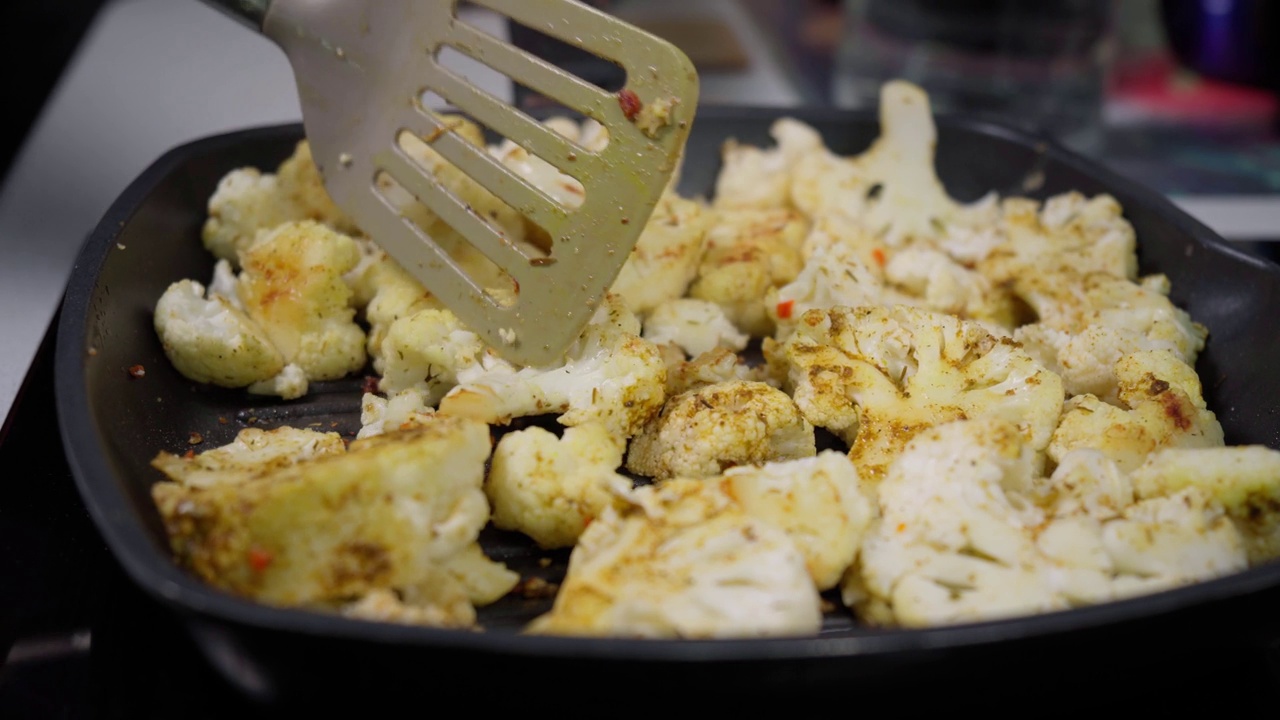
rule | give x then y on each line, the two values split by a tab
1229	40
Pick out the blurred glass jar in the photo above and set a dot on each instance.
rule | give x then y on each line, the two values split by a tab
1040	65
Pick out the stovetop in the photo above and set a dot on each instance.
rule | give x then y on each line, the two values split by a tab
83	641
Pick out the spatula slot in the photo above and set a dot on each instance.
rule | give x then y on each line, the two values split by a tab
474	270
600	71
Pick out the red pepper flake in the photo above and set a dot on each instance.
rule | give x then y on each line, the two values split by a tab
586	522
902	527
630	103
222	420
370	384
784	309
259	559
188	454
137	371
878	255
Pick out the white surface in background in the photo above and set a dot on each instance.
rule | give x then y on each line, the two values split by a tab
153	74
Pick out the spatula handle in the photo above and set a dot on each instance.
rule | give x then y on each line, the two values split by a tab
249	12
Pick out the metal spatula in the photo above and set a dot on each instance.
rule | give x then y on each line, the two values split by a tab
362	67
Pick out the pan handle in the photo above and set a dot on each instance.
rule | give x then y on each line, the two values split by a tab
250	12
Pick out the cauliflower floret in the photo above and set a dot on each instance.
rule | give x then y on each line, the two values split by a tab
551	488
944	285
704	431
1087	323
954	539
683	560
751	177
393	294
967	532
747	253
1170	541
714	366
447	596
1163	407
289	384
212	341
878	376
401	411
254	452
815	500
891	189
611	376
395	512
427	350
1244	480
665	257
834	276
244	202
695	326
247	202
1086	235
292	287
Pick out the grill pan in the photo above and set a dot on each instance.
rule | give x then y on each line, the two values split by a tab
113	423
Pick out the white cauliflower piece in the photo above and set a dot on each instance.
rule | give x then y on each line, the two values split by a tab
610	375
425	352
1086	235
752	177
292	287
815	500
714	366
401	411
1244	480
212	341
891	189
552	488
704	431
1089	322
665	257
683	560
954	540
835	275
247	202
253	453
878	376
1162	407
968	532
695	326
748	252
1169	541
944	285
290	383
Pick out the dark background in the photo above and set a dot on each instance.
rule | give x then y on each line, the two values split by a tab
36	41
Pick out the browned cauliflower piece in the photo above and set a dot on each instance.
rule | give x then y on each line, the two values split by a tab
1245	480
1162	406
704	431
292	287
1088	322
665	257
551	488
254	452
877	376
683	560
400	511
1070	231
816	500
748	252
